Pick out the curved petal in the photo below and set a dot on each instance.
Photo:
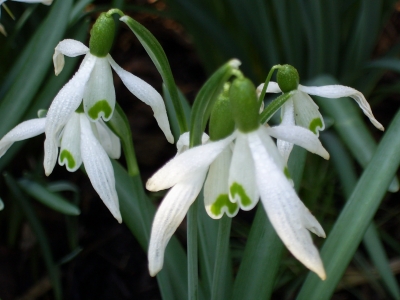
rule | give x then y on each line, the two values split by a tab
69	48
70	151
22	131
99	96
187	163
287	213
170	214
287	115
146	93
306	113
242	183
216	188
340	91
99	168
299	136
108	140
273	87
61	109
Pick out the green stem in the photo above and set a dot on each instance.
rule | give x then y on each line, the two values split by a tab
222	261
115	11
264	90
193	280
274	106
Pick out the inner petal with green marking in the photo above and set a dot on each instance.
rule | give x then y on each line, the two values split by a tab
65	155
315	124
101	107
237	189
217	208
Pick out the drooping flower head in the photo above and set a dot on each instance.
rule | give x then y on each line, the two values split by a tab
301	110
94	84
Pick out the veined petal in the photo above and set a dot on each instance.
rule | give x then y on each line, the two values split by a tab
146	93
99	96
187	163
340	91
242	182
287	213
170	214
272	87
183	142
216	188
99	168
70	151
299	136
69	48
22	131
108	140
306	113
61	109
287	115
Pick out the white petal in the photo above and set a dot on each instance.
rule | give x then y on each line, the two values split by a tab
306	113
99	168
183	142
146	93
242	183
69	48
22	131
287	213
70	151
61	109
99	96
287	115
299	136
273	87
340	91
187	163
216	188
108	140
170	214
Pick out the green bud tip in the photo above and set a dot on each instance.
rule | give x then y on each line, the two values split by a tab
288	78
102	35
244	104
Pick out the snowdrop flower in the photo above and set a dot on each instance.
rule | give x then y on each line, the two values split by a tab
94	84
301	110
80	141
255	169
46	2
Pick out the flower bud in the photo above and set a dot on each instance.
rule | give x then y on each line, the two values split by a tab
288	78
221	120
102	35
244	104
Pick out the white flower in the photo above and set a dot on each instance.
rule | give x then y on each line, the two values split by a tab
46	2
301	110
80	141
254	170
94	84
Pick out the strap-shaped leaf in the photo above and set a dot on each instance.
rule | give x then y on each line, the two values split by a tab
157	55
50	199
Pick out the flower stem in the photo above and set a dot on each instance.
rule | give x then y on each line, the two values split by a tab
115	11
274	106
193	280
222	261
264	90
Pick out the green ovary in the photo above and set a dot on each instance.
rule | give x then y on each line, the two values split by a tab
223	200
237	189
66	155
317	122
100	106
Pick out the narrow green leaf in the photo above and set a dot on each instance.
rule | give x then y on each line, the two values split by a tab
392	64
357	214
1	204
52	200
38	229
157	55
192	250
